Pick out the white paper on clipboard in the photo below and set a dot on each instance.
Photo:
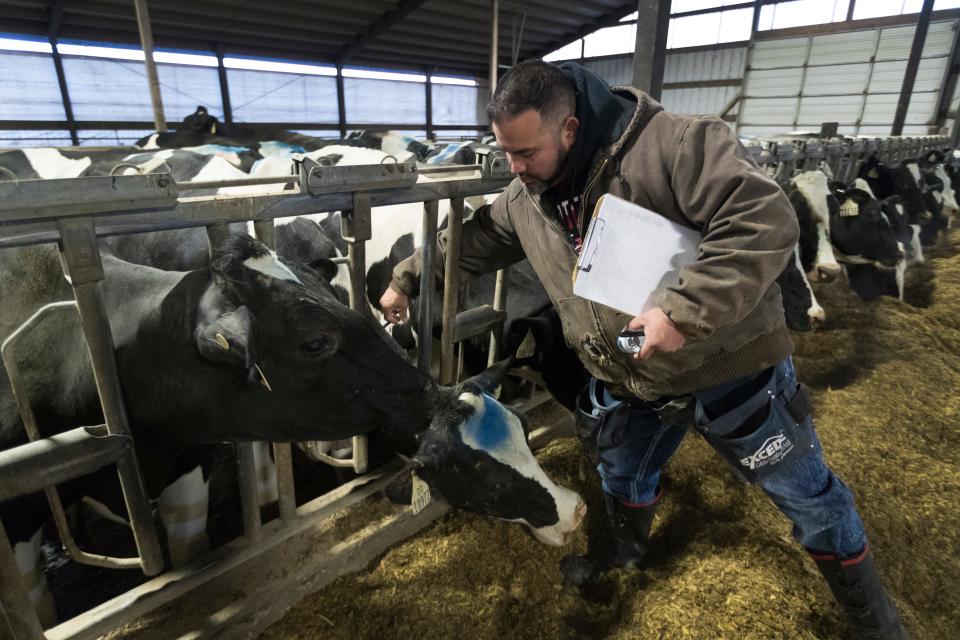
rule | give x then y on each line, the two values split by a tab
630	254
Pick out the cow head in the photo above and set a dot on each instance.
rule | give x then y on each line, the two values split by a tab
475	456
867	245
276	356
811	199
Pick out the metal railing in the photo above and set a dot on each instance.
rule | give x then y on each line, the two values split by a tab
74	213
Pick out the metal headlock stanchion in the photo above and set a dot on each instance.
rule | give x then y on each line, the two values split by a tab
75	212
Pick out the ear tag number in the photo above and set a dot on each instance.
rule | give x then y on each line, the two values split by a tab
849	209
419	494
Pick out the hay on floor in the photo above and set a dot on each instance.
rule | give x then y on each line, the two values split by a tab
886	382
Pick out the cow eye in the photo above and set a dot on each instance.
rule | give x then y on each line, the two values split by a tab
317	346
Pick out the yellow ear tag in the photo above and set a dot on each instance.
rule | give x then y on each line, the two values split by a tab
849	209
419	494
222	342
528	347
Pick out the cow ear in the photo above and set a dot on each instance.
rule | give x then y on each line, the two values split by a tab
489	380
225	335
326	268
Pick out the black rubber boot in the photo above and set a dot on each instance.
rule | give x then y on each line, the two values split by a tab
630	527
856	585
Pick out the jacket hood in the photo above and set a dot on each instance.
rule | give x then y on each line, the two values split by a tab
607	115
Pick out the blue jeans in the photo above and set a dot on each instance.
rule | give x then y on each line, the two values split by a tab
634	448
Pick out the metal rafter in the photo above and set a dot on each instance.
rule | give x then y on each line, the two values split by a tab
387	20
609	20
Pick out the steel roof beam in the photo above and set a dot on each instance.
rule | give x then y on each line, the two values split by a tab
386	21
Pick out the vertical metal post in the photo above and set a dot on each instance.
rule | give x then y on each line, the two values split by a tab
64	93
850	9
428	92
18	617
451	289
282	455
650	52
146	41
224	86
494	42
341	102
949	82
425	302
53	35
913	63
356	229
217	235
80	259
499	303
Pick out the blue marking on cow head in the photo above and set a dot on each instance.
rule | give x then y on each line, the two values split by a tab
490	429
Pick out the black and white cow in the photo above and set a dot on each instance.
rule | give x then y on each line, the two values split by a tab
253	348
865	238
885	181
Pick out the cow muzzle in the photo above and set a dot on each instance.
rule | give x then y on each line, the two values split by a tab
825	272
559	534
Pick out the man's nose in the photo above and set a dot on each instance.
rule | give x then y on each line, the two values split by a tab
516	165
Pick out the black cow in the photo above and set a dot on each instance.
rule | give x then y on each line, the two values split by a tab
866	243
253	348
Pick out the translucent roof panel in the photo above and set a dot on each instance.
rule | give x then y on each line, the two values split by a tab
28	87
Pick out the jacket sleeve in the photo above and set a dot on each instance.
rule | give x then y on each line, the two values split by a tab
489	242
749	230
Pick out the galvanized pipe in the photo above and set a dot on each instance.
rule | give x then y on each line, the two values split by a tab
282	455
494	42
451	288
146	40
18	617
237	182
80	258
249	494
499	303
425	328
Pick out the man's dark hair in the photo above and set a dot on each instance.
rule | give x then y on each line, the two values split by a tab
537	85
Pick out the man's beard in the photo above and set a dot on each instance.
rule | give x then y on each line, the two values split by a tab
536	187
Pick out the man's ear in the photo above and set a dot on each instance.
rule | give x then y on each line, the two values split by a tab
568	131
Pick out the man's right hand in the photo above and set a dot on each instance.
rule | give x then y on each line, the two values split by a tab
394	306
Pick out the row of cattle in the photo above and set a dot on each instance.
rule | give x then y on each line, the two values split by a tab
871	231
342	378
253	345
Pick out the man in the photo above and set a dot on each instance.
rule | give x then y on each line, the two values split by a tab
717	352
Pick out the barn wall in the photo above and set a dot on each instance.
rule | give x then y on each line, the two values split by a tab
853	78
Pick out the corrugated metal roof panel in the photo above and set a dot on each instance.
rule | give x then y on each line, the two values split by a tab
895	42
888	76
835	48
769	54
613	70
720	64
768	111
836	80
922	107
776	82
842	109
701	101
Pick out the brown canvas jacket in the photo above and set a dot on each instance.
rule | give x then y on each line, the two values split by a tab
695	172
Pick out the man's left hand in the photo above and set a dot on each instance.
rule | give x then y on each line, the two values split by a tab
661	334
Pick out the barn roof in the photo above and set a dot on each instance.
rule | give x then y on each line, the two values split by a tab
448	35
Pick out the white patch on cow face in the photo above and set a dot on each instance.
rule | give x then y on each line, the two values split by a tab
901	270
949	196
813	186
507	444
270	265
815	312
863	185
50	164
151	142
914	169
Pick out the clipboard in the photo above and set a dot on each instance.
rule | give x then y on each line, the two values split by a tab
630	254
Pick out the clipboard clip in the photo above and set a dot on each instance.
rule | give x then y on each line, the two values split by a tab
597	225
